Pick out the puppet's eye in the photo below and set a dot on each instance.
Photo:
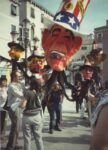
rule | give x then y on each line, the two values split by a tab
67	37
55	33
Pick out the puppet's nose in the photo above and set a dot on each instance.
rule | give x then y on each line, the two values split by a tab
56	55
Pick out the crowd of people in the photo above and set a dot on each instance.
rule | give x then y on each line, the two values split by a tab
24	107
16	99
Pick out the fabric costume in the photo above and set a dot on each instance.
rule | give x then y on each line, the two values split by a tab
102	100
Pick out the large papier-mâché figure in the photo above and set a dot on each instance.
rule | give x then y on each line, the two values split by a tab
62	39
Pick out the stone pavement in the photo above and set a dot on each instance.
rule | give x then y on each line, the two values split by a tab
75	133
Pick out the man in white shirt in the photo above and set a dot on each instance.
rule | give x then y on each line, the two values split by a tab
15	95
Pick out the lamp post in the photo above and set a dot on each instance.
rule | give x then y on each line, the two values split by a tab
35	40
26	26
25	41
14	35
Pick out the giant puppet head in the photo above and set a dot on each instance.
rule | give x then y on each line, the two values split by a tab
36	62
16	50
62	40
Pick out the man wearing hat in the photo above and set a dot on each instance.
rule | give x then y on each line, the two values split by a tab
87	88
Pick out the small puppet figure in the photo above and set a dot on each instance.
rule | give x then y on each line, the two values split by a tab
62	39
87	70
37	65
15	52
87	91
90	71
36	62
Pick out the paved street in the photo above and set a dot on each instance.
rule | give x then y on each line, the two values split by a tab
75	133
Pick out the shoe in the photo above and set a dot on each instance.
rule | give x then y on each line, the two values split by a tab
58	129
83	118
51	131
18	147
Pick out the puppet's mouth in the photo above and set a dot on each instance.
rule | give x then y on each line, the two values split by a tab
56	55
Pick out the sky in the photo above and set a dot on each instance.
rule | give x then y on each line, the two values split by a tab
95	16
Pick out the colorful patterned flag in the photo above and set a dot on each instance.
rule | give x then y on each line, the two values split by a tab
72	12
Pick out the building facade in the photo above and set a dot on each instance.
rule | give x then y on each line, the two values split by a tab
101	37
9	21
38	17
9	18
12	14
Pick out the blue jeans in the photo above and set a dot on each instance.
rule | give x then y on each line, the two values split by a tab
55	111
32	125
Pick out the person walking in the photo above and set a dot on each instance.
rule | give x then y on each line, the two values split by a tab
55	107
3	100
75	95
87	92
15	95
32	116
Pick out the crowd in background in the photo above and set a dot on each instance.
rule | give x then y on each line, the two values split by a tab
16	99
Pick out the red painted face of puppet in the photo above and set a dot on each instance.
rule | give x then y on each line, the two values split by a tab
59	45
36	64
87	73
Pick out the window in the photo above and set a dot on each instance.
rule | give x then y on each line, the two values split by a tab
32	13
42	18
83	57
13	28
83	48
32	32
13	10
99	37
